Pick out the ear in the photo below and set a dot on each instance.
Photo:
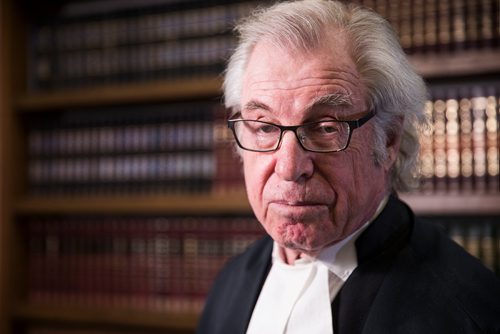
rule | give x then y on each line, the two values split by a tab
393	142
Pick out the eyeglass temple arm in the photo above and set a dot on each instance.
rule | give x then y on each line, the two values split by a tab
359	122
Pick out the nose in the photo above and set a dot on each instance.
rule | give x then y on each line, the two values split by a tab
292	161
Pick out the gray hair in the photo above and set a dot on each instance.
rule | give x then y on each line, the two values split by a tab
395	91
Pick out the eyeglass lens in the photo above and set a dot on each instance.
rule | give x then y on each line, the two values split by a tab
318	136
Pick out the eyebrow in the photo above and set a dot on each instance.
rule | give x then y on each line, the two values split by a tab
333	100
256	105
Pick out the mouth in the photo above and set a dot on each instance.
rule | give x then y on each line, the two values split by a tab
296	203
297	209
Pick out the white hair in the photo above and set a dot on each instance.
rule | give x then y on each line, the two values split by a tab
393	88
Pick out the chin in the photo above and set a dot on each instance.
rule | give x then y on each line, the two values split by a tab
301	236
299	243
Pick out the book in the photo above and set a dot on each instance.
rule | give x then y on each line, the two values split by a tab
146	263
138	149
81	47
459	152
478	235
431	26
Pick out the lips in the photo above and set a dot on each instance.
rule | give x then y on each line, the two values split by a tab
297	210
298	200
296	203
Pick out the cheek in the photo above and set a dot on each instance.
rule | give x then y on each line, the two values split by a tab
256	173
356	181
359	188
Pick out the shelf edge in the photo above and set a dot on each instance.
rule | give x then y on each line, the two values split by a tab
444	64
120	94
236	203
453	204
209	204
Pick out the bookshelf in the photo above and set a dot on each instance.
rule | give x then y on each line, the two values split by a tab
73	105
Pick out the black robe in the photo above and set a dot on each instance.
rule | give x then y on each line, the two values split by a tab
411	278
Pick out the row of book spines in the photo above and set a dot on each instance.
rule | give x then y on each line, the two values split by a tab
161	262
130	231
481	240
192	172
165	61
449	25
149	61
226	187
125	130
114	275
124	168
134	47
143	25
187	244
116	139
419	23
460	152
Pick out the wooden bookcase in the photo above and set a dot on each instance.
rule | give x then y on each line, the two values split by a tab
16	102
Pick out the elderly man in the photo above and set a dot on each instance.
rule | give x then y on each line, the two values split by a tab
325	111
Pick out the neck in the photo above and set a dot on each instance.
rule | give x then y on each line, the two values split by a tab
289	256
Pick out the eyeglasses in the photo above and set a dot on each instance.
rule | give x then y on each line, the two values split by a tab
321	136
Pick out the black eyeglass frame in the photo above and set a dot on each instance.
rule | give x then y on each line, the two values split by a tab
353	124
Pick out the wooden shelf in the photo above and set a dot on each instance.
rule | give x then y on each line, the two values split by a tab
473	62
120	94
178	323
237	203
196	204
453	204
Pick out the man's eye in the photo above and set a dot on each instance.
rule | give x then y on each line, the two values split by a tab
326	128
267	129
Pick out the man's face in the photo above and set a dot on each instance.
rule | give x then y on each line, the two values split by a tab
307	200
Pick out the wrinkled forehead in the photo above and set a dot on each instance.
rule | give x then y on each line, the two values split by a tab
287	60
288	73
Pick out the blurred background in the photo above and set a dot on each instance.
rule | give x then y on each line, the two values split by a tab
120	194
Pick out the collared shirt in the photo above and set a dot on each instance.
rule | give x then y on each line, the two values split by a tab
297	298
